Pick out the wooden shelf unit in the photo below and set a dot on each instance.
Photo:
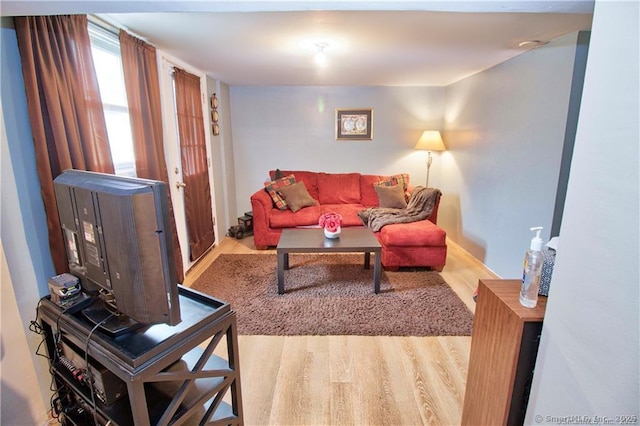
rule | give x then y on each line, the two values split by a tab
165	374
504	347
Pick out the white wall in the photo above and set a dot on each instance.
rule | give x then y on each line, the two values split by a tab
222	161
20	404
505	131
294	128
25	259
588	362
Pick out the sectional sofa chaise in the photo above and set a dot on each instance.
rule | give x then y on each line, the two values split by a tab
298	198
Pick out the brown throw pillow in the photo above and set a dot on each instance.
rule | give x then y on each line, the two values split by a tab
391	196
297	196
399	179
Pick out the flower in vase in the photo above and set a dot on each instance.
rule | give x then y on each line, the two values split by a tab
330	221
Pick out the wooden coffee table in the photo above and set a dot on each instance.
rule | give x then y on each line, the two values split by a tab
312	240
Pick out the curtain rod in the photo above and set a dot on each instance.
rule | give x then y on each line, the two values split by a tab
104	24
113	27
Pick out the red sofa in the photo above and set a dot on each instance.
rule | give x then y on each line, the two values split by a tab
420	243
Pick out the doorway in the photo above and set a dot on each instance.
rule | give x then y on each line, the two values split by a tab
180	172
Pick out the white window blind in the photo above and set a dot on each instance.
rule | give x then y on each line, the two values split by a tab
105	48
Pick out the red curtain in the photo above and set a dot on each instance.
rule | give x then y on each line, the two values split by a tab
145	111
65	109
195	173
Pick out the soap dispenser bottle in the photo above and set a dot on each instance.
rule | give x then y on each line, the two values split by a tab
533	260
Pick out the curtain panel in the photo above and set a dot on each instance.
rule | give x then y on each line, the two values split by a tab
195	172
65	108
142	85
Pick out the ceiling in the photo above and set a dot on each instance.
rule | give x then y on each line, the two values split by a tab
368	43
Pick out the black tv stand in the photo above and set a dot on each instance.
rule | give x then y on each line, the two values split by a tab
112	323
155	375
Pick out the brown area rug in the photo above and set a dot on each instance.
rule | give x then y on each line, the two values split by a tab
333	295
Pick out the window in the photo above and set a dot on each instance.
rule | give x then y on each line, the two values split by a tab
105	48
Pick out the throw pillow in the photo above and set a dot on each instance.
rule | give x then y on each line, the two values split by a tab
297	196
275	185
399	179
391	196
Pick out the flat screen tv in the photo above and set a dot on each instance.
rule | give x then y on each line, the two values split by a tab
119	243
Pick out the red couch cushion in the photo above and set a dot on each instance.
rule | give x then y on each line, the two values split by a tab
287	219
308	216
349	213
339	188
420	233
368	196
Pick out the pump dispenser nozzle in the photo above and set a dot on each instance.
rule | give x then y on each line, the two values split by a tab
536	242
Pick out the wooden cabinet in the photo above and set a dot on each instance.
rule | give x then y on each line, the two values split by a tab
504	346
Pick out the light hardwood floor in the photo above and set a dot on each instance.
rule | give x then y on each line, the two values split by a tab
355	380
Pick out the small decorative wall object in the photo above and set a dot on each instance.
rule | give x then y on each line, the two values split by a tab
214	115
354	124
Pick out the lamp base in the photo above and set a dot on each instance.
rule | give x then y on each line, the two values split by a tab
429	161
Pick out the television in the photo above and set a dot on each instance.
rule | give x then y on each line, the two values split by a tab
119	244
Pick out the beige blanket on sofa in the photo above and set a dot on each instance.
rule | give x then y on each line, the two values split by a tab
420	207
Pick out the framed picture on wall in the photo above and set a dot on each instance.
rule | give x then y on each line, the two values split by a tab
354	124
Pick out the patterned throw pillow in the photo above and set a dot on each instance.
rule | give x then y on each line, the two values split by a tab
399	179
273	186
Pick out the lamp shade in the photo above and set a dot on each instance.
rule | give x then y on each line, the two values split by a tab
430	141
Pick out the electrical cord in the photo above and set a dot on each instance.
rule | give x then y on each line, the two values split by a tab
89	373
36	327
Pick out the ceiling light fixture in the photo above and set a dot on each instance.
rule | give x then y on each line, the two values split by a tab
530	43
321	57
